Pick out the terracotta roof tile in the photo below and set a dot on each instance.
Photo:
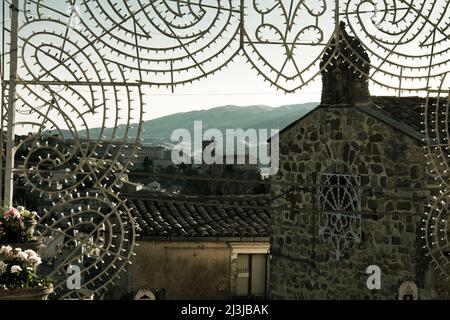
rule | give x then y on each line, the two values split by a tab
403	109
182	216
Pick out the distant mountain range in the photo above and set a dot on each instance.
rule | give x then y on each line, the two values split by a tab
159	131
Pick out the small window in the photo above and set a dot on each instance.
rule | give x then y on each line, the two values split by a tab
251	276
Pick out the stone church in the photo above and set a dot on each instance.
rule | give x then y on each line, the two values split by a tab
355	187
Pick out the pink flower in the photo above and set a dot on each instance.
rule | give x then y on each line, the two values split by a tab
12	213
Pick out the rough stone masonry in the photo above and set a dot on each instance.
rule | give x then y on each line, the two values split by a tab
344	135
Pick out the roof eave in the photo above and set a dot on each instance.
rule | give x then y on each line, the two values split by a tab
205	239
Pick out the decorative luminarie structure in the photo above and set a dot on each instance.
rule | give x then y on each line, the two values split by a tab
76	69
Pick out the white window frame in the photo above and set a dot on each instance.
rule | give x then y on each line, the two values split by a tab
246	248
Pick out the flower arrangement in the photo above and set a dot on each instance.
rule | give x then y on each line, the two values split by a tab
18	269
16	225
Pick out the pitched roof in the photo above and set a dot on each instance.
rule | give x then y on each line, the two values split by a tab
407	110
171	216
401	113
407	114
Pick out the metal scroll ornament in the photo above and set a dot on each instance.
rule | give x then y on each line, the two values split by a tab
167	43
83	67
407	41
284	40
436	222
70	89
339	212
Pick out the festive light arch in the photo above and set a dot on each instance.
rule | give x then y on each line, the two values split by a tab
91	59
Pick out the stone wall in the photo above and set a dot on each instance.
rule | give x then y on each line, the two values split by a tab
393	176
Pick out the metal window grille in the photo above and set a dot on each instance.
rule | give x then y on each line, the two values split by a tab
339	201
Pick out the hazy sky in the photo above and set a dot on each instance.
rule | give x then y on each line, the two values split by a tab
236	84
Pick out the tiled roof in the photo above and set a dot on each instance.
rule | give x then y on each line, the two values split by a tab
402	113
406	114
406	110
181	216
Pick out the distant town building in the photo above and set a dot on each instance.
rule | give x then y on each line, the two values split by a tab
230	162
